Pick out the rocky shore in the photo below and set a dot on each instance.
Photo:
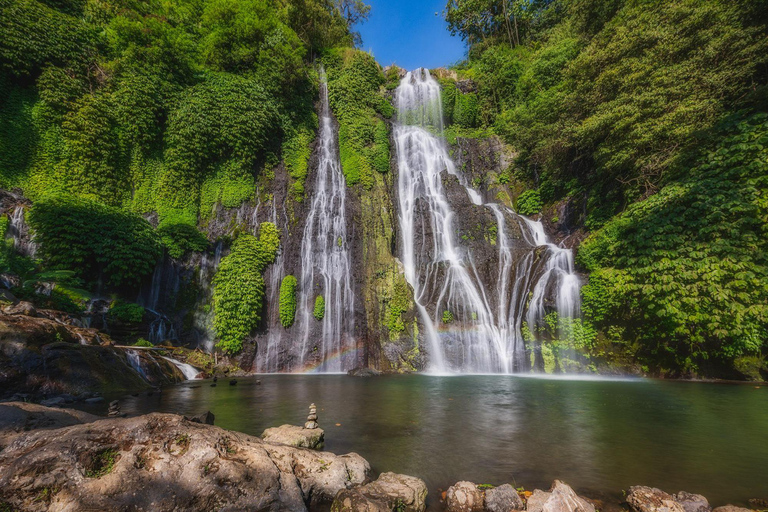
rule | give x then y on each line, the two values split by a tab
60	459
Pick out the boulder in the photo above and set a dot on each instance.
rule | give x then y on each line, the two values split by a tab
43	357
535	502
560	498
650	499
731	508
22	308
390	492
503	498
292	435
464	497
161	462
17	418
207	417
692	502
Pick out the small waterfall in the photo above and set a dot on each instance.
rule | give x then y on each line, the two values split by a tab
486	335
326	262
189	371
559	274
135	361
18	230
203	318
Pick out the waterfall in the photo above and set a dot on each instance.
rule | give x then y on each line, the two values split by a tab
469	328
18	230
189	371
326	263
267	360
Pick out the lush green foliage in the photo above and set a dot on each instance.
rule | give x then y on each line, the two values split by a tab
126	312
97	242
613	104
319	311
238	295
178	239
141	342
354	89
288	300
686	269
529	203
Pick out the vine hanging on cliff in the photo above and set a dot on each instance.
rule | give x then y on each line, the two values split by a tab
288	300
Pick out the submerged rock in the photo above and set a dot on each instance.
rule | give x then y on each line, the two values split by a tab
364	372
292	435
464	497
390	492
503	498
161	462
650	499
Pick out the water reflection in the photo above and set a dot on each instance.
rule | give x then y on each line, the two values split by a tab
599	436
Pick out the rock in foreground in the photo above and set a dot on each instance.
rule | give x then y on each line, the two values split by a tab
390	492
161	462
18	418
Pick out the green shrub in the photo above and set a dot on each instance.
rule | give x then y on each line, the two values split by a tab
94	240
447	317
529	203
685	270
141	342
238	295
178	239
354	80
319	311
288	300
126	312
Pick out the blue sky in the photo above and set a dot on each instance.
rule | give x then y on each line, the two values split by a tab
407	33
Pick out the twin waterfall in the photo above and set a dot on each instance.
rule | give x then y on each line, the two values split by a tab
470	327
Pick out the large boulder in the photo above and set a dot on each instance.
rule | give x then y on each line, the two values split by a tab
389	493
503	498
42	356
560	498
650	499
464	497
291	435
692	502
17	418
731	508
162	462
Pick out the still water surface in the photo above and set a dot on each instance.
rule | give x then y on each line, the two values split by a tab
600	436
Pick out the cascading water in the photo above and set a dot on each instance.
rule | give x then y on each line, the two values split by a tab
486	334
326	263
189	371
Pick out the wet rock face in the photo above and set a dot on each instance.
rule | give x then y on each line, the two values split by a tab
39	355
390	492
162	462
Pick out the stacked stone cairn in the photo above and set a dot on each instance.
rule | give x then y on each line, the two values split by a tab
114	409
312	418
